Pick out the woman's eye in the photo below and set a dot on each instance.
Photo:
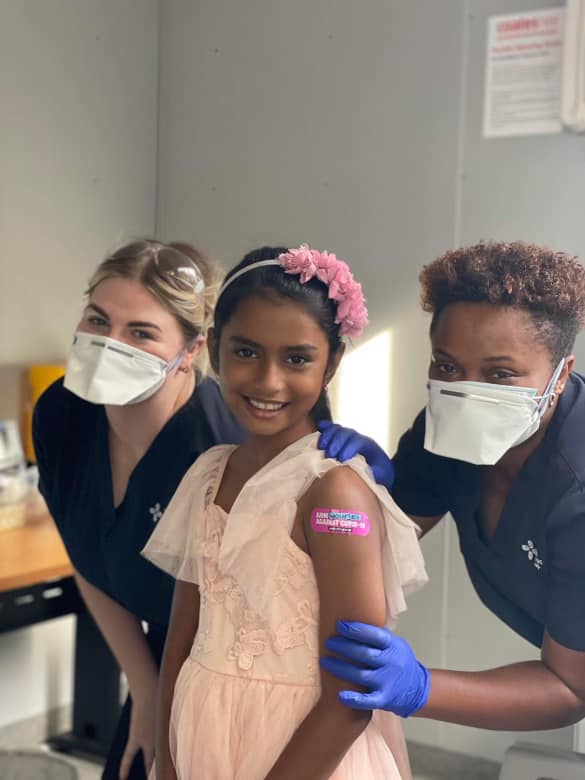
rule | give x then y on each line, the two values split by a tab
445	368
141	335
97	322
245	352
503	376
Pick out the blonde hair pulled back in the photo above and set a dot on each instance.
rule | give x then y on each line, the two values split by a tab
137	260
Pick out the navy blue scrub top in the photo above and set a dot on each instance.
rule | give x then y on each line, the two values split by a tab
531	573
104	543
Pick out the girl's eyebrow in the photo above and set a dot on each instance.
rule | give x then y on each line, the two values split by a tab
292	348
247	342
302	348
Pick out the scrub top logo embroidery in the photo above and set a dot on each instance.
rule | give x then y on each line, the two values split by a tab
156	512
532	553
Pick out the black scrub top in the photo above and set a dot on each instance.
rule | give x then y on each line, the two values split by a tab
104	543
531	573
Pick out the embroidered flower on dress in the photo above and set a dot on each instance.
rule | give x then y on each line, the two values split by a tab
352	314
293	573
297	631
532	553
248	644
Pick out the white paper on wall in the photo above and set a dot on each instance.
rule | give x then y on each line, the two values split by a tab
523	80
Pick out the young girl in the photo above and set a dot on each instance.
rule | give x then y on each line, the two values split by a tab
271	543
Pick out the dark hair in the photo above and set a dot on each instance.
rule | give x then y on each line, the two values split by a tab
548	285
272	283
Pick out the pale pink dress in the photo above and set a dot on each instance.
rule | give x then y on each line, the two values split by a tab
252	675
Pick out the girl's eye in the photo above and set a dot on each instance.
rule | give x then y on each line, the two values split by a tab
298	360
245	352
503	376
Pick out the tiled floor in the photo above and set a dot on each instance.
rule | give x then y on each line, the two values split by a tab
90	772
86	770
445	769
429	763
54	769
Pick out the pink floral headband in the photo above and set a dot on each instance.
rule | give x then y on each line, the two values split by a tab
352	314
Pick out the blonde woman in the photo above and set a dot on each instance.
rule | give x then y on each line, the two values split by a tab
113	441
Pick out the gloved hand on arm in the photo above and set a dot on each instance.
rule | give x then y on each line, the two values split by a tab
381	662
343	443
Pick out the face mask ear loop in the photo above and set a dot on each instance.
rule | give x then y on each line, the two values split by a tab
549	393
171	365
175	362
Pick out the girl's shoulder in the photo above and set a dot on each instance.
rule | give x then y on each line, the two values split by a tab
207	468
343	484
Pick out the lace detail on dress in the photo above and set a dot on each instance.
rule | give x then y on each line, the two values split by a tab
203	642
215	586
294	572
213	472
299	630
252	638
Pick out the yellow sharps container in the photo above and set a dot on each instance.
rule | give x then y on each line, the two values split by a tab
36	380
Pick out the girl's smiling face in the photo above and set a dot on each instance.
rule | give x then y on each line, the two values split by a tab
272	362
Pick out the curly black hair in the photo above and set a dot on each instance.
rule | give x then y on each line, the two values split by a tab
548	285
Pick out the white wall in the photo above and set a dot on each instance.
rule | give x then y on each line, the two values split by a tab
355	127
78	83
78	121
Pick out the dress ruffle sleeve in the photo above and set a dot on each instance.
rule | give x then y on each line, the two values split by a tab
175	544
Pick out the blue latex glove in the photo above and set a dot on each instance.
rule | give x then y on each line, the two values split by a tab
387	666
343	443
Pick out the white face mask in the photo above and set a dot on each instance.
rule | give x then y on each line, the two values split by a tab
478	422
106	371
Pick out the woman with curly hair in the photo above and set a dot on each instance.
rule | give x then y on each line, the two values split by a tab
500	447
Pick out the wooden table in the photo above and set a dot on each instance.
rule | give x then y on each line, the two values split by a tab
32	554
37	584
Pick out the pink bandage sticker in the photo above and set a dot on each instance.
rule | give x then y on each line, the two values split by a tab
340	521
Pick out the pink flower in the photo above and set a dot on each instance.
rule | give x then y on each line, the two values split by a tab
351	312
352	315
326	267
299	261
340	281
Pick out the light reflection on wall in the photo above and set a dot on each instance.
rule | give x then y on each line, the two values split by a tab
360	394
